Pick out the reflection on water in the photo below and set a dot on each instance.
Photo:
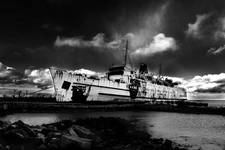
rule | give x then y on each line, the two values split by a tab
191	130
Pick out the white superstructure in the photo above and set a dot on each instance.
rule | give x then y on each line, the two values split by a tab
119	83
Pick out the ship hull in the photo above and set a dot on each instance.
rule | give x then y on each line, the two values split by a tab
79	88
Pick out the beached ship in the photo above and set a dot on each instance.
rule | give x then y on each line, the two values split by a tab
120	83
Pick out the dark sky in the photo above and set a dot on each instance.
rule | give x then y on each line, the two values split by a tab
194	30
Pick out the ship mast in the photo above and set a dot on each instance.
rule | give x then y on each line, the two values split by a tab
126	50
160	70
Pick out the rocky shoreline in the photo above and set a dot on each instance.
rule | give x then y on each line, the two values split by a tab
82	134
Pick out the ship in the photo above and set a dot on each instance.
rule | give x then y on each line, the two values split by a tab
119	83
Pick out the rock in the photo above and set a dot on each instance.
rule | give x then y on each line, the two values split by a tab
51	127
63	125
41	136
2	147
157	141
3	124
20	125
37	128
54	143
34	141
68	140
167	145
46	131
30	131
82	131
14	136
72	132
54	134
42	147
2	140
7	146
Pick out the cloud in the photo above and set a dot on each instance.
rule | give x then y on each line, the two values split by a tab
214	83
36	77
209	25
41	77
5	70
216	51
220	31
194	29
98	41
84	71
9	74
179	80
160	43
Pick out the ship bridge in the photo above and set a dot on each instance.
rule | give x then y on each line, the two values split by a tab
119	73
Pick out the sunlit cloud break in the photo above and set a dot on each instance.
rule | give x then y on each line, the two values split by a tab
39	76
214	83
160	43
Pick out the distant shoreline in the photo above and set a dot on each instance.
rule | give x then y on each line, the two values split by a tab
179	107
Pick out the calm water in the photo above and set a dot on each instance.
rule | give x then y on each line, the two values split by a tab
191	130
216	103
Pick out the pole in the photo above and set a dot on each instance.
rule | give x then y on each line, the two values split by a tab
125	59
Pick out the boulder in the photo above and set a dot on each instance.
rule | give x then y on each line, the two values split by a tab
34	141
68	140
72	132
2	147
3	124
54	134
46	131
2	140
41	136
63	125
29	131
82	131
20	125
42	147
15	136
54	143
51	127
38	128
157	141
167	145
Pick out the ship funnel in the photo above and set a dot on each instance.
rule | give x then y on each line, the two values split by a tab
143	69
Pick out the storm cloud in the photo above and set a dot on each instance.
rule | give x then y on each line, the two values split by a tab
186	37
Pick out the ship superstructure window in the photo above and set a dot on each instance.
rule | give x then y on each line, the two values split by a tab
66	85
116	70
